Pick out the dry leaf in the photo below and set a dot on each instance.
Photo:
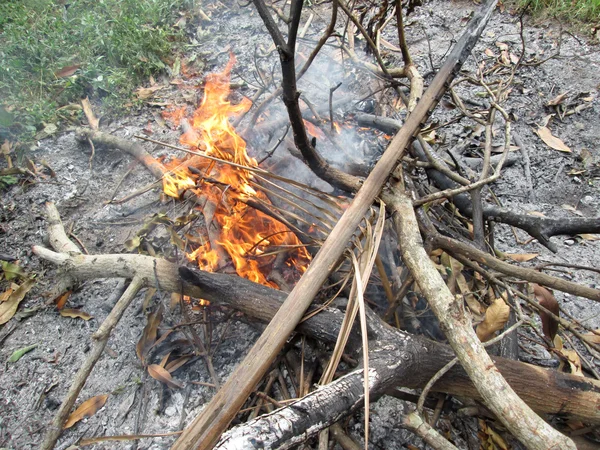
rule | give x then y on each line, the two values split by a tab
592	338
552	141
145	93
66	71
89	114
176	364
495	317
75	313
522	257
86	409
489	52
536	213
9	307
546	298
61	301
149	335
163	362
589	237
6	294
161	374
558	99
573	359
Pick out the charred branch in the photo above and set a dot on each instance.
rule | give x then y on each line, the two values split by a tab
541	228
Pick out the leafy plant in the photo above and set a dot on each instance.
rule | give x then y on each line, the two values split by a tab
581	10
52	54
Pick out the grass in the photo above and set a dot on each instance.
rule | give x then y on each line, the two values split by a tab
110	45
577	10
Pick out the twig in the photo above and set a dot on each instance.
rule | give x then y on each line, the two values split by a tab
331	91
526	166
100	338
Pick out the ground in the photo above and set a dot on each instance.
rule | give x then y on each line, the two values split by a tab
565	184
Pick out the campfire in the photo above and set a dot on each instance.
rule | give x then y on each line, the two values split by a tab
254	241
477	296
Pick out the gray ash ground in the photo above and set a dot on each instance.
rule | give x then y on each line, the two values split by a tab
32	388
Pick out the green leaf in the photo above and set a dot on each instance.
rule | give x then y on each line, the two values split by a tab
6	118
12	271
18	354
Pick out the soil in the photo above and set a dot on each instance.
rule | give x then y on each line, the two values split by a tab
564	185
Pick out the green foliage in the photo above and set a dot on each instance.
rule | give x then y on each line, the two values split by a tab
113	44
579	10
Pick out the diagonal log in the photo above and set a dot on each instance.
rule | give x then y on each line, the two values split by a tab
206	429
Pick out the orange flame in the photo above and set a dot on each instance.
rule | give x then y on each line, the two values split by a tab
245	233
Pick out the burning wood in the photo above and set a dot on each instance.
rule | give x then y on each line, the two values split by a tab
244	232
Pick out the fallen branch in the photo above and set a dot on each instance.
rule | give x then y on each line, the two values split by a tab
498	396
397	357
453	246
541	228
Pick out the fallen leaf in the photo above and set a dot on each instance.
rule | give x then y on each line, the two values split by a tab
536	213
86	409
552	141
66	71
176	364
62	300
12	271
89	114
522	257
145	93
149	334
18	354
546	120
9	307
75	313
489	52
6	294
161	374
495	317
589	237
591	338
546	298
573	359
558	99
163	362
571	208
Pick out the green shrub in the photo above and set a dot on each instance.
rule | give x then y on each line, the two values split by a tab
114	43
